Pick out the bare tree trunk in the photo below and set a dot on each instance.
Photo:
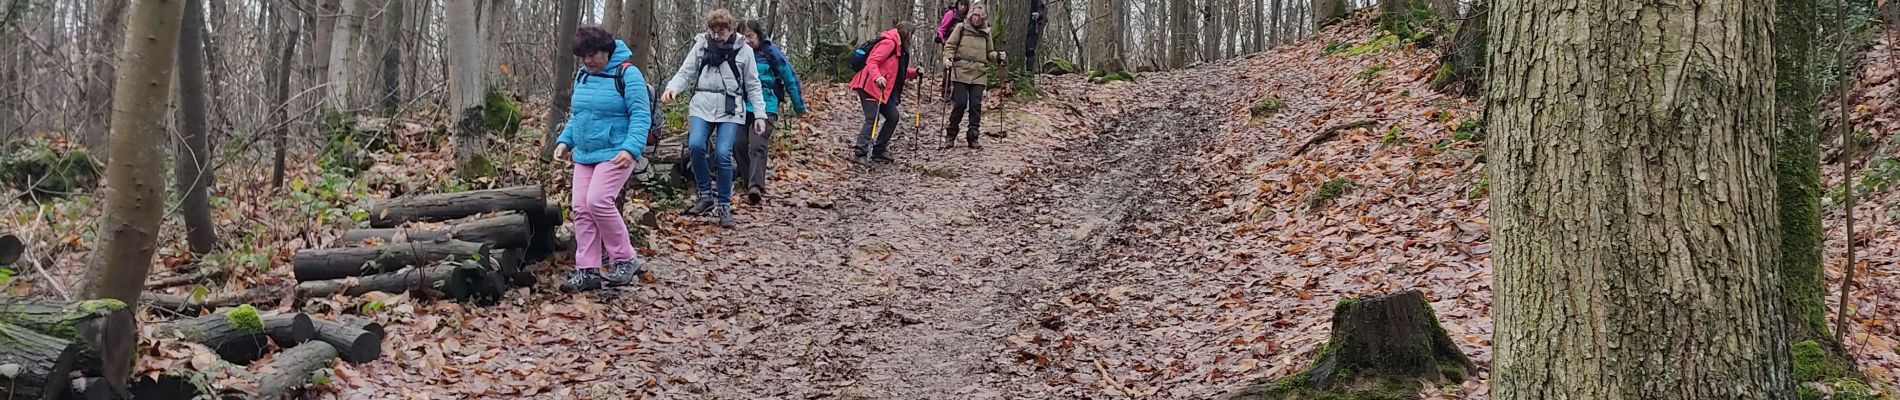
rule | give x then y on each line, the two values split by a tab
1633	201
190	162
135	196
1211	24
466	88
393	14
281	88
1108	25
494	28
610	16
96	126
341	58
563	73
1181	33
640	20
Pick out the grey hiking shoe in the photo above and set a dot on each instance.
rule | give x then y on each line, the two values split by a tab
754	195
724	213
623	272
583	279
704	205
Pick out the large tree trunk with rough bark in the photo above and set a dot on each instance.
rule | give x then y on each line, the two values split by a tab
191	162
135	192
640	20
466	89
1633	201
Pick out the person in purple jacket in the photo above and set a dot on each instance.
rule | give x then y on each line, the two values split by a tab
951	17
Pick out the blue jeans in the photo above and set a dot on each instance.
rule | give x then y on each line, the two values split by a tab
703	162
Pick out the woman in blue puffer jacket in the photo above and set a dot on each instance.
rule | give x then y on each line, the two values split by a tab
605	133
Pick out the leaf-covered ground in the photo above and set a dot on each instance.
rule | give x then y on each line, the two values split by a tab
1154	239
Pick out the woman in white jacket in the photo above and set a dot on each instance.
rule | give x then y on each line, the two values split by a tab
721	72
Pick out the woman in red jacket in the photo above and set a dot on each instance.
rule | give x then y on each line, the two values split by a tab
882	90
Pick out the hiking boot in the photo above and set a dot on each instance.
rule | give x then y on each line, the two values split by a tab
623	272
754	195
704	205
583	279
974	145
949	144
724	213
883	158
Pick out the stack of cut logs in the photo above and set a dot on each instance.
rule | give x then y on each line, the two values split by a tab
489	238
50	339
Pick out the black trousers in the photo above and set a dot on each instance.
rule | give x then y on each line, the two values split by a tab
752	152
964	96
873	110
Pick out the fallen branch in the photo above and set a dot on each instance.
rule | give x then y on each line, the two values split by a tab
450	280
1332	133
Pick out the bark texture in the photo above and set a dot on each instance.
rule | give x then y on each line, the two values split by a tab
291	369
353	343
1633	201
447	206
506	231
1108	22
40	362
323	264
135	191
192	160
563	72
1381	347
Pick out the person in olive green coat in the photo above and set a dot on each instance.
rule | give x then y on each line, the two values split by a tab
970	53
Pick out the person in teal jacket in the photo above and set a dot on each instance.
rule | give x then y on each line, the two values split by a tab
780	84
605	132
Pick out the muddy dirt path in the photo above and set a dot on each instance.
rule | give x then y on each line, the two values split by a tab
901	281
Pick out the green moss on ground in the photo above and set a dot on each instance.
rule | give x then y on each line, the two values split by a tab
1267	107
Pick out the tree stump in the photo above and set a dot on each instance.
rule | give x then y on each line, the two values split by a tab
1380	348
323	264
290	329
505	231
33	364
292	368
352	343
448	206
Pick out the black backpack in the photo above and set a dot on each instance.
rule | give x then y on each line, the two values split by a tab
863	54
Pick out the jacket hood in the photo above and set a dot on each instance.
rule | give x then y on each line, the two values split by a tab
893	35
621	54
985	30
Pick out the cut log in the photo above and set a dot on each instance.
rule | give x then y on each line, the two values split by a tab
259	295
505	231
354	344
1380	347
359	322
290	329
11	248
449	206
34	365
239	336
292	368
165	386
449	280
68	320
323	264
544	225
512	264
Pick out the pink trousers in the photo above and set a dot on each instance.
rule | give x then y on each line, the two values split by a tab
597	221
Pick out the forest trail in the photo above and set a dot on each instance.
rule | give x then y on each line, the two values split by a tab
893	281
